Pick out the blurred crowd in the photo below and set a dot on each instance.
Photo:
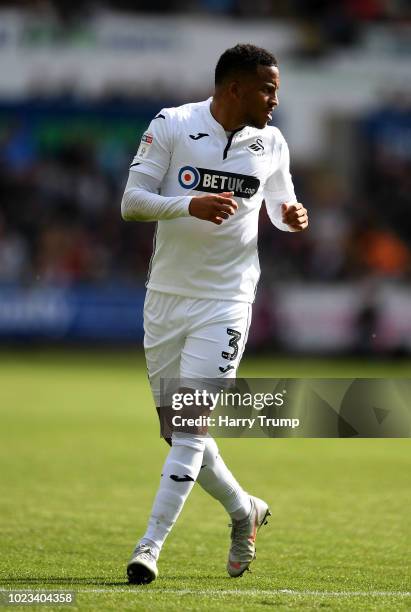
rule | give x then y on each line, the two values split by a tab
339	11
60	210
359	228
324	26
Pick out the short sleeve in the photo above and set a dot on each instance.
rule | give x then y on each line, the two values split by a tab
154	153
279	188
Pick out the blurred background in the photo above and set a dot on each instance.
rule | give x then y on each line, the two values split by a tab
79	83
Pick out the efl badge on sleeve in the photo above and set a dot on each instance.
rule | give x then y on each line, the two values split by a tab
145	144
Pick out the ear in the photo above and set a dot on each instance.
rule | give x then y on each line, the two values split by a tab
235	89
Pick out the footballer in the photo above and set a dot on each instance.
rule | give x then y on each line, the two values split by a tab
202	171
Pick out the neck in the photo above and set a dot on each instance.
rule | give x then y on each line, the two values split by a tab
225	115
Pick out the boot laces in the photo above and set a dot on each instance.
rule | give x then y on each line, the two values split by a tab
144	551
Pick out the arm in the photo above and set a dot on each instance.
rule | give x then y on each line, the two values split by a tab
280	200
141	200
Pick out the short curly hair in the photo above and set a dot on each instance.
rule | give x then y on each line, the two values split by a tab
243	58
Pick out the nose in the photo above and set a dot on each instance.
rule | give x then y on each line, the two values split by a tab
274	100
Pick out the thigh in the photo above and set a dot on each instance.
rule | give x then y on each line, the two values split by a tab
164	336
216	339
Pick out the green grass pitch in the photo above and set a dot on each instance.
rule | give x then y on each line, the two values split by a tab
80	459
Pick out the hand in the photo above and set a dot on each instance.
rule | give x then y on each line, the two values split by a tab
214	208
295	216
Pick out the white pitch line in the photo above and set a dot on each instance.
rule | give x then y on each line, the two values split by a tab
148	591
143	591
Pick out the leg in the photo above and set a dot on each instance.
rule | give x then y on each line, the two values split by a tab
219	338
213	349
164	320
217	480
178	476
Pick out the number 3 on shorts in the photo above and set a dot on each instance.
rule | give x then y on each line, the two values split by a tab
235	337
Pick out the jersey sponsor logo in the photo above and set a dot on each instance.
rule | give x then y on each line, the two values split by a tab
256	147
212	181
189	177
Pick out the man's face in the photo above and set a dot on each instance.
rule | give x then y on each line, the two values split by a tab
258	95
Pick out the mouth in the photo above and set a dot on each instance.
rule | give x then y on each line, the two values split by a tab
269	115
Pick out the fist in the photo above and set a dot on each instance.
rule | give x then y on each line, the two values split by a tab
295	216
214	208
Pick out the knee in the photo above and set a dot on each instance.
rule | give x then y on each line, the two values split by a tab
186	439
211	452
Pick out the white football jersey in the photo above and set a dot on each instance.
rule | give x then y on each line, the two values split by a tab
189	153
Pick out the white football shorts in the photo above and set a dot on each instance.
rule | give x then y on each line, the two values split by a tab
193	338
